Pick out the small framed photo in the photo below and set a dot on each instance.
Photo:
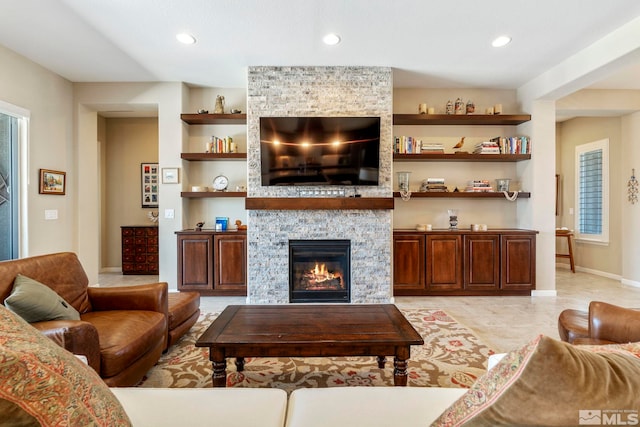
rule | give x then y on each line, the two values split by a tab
170	175
149	184
53	182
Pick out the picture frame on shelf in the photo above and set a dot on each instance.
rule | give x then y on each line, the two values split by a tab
170	175
149	185
53	182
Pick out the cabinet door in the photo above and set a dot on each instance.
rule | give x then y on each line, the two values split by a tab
444	262
518	262
231	263
481	261
408	261
195	262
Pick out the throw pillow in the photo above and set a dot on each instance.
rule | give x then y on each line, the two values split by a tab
550	383
43	382
35	302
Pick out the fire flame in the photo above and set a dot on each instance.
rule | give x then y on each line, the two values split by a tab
321	274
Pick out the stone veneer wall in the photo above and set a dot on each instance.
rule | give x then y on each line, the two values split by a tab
319	91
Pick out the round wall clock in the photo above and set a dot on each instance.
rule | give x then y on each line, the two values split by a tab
220	183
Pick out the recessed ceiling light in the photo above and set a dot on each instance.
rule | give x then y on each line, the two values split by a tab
185	38
501	41
331	39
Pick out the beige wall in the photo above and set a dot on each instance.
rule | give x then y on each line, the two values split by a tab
570	134
48	97
129	142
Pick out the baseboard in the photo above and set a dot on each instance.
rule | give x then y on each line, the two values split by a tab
111	270
544	293
631	283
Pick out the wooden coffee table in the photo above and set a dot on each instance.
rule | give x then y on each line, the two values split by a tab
309	330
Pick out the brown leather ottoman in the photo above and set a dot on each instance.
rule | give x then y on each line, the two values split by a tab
184	309
573	324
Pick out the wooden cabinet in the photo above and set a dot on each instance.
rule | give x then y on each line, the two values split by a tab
444	262
482	262
230	260
518	254
408	261
212	263
139	249
458	262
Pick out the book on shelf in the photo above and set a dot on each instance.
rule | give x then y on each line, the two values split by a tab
407	145
487	147
432	148
221	145
477	186
513	144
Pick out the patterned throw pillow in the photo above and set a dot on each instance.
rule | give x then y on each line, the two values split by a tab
552	383
45	384
35	302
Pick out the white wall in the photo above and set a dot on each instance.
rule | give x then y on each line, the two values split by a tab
48	97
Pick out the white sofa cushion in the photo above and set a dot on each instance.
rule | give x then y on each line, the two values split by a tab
196	407
369	406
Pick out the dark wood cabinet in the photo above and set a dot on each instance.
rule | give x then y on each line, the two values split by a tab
408	261
212	263
139	249
460	262
482	261
518	262
444	262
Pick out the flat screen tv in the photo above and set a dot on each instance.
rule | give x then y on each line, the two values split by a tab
315	151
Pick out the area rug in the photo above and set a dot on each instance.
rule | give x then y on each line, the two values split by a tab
452	356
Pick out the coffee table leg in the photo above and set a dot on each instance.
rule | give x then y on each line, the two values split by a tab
400	366
381	361
219	363
240	364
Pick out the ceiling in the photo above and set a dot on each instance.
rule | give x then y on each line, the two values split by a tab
429	43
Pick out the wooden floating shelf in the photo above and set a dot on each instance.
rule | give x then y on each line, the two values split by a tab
204	194
464	194
214	119
199	157
318	203
461	119
460	157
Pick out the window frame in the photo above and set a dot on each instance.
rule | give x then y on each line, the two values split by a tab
603	237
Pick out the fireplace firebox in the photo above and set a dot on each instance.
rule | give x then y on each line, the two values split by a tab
319	271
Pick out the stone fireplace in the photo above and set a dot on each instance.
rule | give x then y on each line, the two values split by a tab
319	270
319	91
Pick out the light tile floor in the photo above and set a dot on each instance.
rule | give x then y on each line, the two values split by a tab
502	323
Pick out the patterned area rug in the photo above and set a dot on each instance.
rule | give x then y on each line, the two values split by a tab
452	356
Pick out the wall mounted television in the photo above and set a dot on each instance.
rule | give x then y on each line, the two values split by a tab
318	151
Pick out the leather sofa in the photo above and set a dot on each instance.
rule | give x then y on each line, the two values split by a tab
122	331
603	323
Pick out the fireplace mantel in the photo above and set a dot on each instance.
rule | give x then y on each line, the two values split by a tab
318	203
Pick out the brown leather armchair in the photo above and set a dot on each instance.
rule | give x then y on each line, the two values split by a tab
122	331
608	324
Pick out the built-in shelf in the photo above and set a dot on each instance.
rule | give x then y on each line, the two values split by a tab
205	194
460	157
461	119
203	157
463	194
318	203
214	119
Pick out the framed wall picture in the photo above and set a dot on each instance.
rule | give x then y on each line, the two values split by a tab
149	178
53	182
170	175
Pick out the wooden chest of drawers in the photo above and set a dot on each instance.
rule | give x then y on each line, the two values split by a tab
139	250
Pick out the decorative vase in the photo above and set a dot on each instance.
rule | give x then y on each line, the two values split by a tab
453	219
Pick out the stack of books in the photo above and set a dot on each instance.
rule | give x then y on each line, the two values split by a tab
478	186
432	148
433	184
487	147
